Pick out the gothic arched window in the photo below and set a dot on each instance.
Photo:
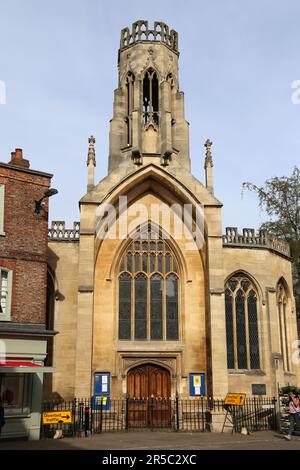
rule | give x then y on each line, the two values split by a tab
282	302
129	105
148	292
150	97
241	323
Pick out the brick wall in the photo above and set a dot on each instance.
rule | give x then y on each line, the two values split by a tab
23	248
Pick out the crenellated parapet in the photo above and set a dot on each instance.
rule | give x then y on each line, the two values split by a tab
59	233
251	238
141	32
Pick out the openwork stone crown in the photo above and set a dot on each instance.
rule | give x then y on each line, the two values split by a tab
141	32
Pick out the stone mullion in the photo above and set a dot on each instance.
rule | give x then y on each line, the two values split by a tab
164	308
132	304
148	308
148	293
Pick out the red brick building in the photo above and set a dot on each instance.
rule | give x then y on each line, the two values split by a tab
23	291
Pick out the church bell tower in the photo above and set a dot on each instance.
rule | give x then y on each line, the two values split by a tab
148	124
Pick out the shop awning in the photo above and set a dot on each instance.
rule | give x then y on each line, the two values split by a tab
24	367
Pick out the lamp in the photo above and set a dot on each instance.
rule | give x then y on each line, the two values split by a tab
38	204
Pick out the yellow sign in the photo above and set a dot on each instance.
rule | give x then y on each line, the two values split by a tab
55	417
197	380
235	399
101	401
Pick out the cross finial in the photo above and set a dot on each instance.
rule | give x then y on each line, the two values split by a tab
208	156
91	151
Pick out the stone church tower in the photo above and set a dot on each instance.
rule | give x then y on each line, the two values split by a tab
147	289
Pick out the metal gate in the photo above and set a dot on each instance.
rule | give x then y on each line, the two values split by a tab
150	413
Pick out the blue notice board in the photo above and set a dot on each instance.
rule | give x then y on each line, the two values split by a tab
102	390
197	384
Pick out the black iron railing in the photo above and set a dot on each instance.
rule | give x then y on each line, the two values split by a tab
179	414
257	414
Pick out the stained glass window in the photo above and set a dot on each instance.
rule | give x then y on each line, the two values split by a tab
125	306
172	306
241	330
148	291
241	323
253	330
156	294
140	310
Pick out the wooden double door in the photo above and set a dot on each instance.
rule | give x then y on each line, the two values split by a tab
149	391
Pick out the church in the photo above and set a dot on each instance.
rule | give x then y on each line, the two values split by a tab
148	296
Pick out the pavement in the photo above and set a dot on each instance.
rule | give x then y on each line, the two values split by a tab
158	440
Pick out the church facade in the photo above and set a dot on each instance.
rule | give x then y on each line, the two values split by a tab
146	290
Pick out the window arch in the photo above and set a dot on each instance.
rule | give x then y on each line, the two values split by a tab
282	303
241	323
150	97
148	291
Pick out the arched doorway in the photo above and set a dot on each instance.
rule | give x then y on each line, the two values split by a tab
149	390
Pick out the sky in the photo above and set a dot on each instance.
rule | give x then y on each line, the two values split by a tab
238	60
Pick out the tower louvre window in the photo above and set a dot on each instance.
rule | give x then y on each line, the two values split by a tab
150	97
129	106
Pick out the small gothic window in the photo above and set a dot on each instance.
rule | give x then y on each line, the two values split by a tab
282	302
129	83
150	97
148	291
241	323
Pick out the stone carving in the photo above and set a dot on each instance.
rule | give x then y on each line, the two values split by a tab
137	157
91	152
150	63
169	363
127	67
166	157
208	155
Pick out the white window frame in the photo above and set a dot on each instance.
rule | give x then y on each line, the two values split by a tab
2	190
7	315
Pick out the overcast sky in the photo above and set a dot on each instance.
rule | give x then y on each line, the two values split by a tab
238	60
